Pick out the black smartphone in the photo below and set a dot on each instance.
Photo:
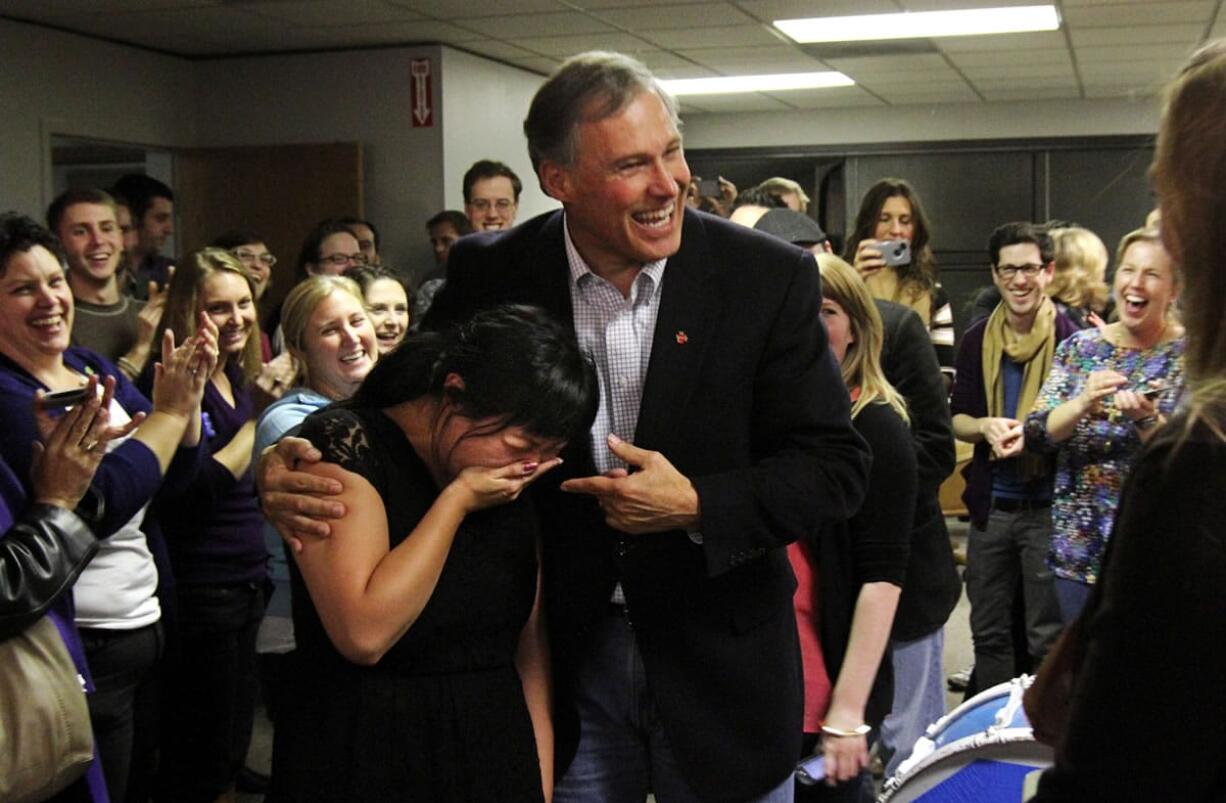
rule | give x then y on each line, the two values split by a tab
895	252
1152	392
65	398
708	187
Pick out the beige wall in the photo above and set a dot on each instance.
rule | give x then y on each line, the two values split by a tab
485	104
359	96
60	83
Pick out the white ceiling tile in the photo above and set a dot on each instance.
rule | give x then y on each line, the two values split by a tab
59	9
558	24
902	87
1112	53
971	61
722	36
838	97
1112	16
210	23
657	60
760	59
538	64
1128	68
916	77
598	5
1032	93
420	31
871	65
1081	3
950	5
330	13
744	102
687	71
1039	40
1130	92
1032	72
495	49
1185	33
668	17
771	10
466	10
1011	84
964	95
570	45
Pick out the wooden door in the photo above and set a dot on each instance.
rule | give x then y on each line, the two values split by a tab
279	192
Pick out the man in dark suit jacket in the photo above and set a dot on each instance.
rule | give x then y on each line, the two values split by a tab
723	435
741	442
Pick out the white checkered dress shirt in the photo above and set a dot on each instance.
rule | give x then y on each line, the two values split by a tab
617	332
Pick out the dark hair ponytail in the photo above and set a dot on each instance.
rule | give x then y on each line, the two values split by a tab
518	365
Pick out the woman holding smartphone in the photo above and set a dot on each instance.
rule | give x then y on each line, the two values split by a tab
1108	392
117	609
889	248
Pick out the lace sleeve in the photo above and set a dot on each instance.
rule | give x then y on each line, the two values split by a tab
342	438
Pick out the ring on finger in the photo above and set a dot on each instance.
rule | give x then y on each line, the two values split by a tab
89	445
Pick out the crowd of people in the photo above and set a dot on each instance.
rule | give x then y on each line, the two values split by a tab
637	496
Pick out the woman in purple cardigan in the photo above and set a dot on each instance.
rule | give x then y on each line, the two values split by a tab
114	602
214	531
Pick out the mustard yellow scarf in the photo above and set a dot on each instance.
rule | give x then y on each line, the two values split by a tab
1034	350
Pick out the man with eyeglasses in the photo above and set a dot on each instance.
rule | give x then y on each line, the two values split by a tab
491	195
107	320
1001	365
368	238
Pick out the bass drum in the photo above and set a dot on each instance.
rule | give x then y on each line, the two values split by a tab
982	752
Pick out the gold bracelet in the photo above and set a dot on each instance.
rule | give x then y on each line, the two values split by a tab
128	367
859	730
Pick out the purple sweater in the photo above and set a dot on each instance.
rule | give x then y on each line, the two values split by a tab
970	398
214	527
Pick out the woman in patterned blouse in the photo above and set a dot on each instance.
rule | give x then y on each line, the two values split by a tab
1108	391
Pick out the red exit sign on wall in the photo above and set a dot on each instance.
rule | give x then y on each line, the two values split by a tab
423	99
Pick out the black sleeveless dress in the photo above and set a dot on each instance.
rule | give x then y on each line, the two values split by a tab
442	716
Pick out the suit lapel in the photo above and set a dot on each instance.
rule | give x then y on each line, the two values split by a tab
547	270
689	310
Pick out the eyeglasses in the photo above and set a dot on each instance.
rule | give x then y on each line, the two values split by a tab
483	204
250	258
1007	272
341	260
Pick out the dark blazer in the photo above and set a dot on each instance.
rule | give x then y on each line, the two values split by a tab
931	589
750	406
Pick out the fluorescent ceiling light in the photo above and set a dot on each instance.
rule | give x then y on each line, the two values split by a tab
922	24
757	83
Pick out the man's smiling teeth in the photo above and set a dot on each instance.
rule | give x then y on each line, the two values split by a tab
48	322
657	219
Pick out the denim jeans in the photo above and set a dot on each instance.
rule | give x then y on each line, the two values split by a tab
919	696
210	703
623	751
1072	595
1011	549
123	709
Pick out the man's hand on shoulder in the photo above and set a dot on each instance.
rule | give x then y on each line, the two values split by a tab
296	502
